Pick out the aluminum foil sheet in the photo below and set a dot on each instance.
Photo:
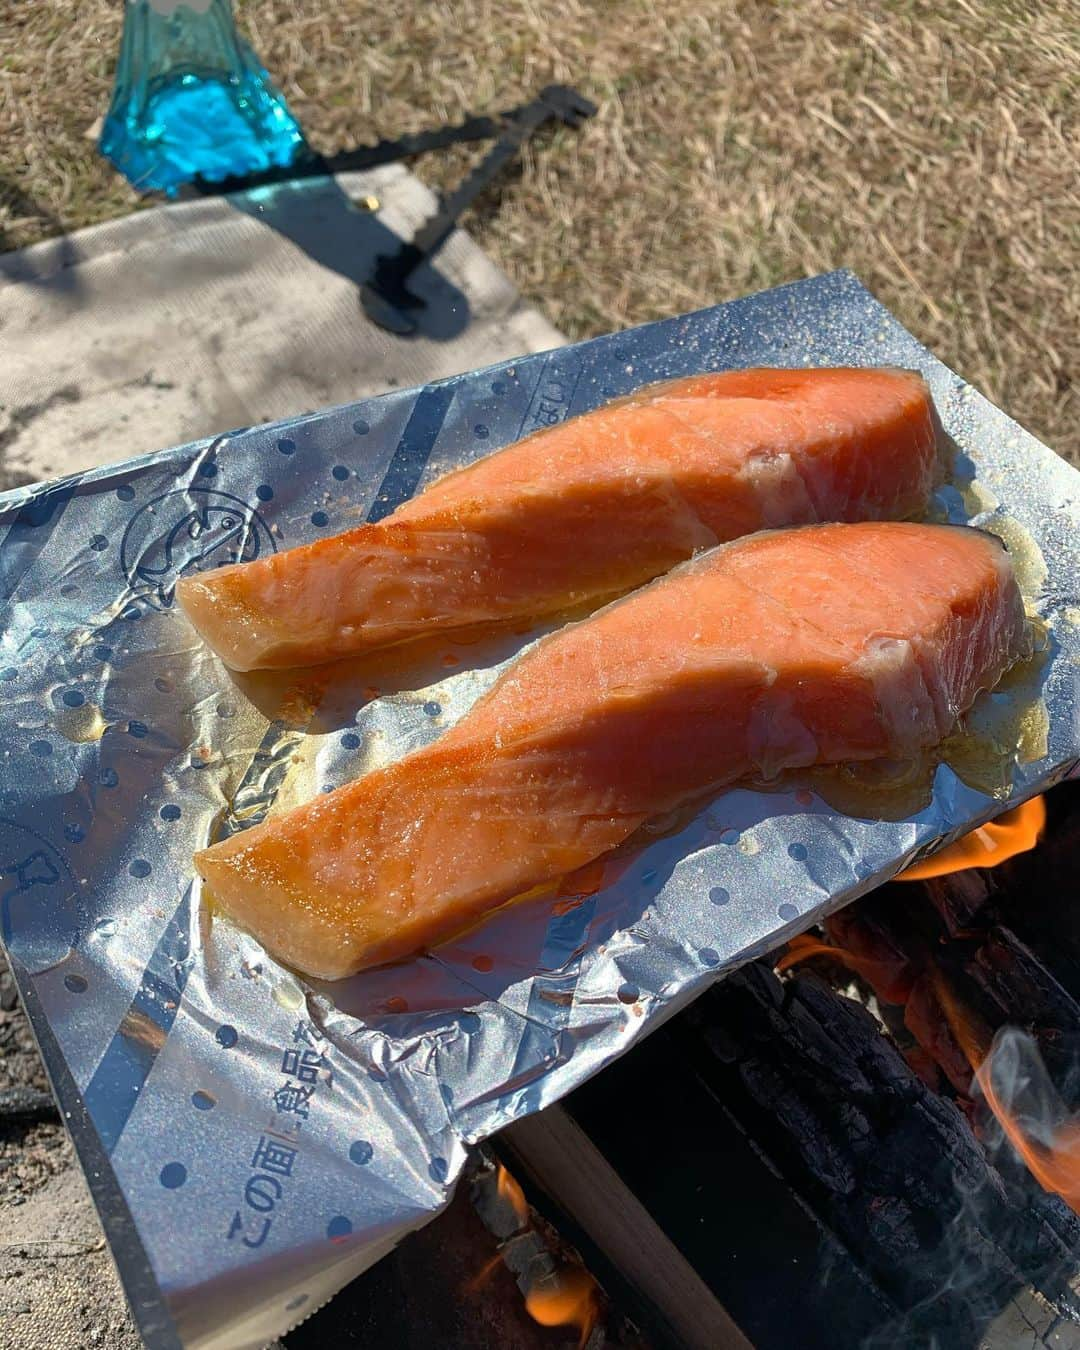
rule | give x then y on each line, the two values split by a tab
253	1141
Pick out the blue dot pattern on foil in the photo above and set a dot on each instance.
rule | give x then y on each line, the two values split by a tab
361	1152
286	446
339	1227
227	1036
170	812
202	1101
125	493
320	518
438	1170
108	778
140	868
340	472
138	730
350	741
74	834
709	956
173	1175
361	427
73	698
788	912
9	673
41	748
799	852
75	984
98	543
720	895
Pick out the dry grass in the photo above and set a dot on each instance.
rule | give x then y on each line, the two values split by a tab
933	148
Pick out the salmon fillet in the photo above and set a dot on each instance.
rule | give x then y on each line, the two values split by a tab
783	650
585	511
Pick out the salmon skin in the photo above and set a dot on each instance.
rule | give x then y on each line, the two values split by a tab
783	650
585	511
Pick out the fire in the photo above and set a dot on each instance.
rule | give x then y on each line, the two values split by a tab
1014	832
569	1300
484	1273
1006	1066
804	946
509	1190
567	1297
1055	1163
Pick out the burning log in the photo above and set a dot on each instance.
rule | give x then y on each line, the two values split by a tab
925	1018
959	898
893	1167
994	1013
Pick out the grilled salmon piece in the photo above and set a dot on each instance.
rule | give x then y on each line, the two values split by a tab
585	511
779	651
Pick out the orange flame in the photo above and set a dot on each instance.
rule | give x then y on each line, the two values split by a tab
803	947
568	1301
509	1190
567	1298
995	842
1056	1165
511	1193
484	1274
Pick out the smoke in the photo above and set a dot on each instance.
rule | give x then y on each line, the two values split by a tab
1029	1115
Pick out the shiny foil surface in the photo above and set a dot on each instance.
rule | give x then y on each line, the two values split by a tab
253	1141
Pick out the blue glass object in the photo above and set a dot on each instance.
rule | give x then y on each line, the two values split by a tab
192	99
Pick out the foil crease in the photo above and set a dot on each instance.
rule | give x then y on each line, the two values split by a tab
254	1141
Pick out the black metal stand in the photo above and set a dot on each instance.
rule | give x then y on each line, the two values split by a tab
387	298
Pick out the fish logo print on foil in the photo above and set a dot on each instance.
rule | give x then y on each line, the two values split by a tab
33	870
186	531
41	916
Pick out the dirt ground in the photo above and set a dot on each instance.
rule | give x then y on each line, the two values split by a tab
933	148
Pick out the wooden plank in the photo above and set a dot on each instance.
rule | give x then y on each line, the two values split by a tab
552	1152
